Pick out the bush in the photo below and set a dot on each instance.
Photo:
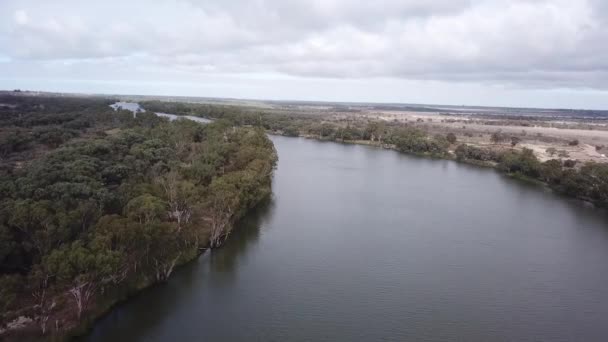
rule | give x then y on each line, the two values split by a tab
467	152
573	142
551	171
523	162
451	138
514	141
497	137
416	141
291	131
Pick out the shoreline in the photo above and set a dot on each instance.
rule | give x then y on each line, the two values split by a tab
86	325
451	156
80	333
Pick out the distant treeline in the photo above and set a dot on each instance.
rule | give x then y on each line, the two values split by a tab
96	204
588	181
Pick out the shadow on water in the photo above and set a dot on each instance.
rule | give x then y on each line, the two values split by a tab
150	307
246	233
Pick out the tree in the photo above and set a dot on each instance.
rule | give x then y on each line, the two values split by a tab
177	192
497	137
9	286
451	137
514	141
291	131
551	151
84	270
523	162
222	204
570	163
551	171
145	208
36	221
376	130
164	248
8	245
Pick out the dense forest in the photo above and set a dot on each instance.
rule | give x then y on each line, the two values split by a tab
96	203
588	181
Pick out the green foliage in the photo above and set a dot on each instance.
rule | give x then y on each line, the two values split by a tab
466	152
523	163
75	262
551	171
416	141
590	183
145	208
9	287
291	131
121	206
451	138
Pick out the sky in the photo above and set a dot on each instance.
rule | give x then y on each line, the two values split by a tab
522	53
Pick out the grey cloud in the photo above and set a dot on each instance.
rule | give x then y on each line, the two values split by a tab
540	43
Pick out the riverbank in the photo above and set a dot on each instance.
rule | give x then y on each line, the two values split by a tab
85	327
359	240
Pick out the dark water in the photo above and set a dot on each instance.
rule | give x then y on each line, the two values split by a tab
361	244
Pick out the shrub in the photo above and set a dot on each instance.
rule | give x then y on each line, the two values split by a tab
573	142
451	137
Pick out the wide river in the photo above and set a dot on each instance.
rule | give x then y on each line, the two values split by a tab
364	244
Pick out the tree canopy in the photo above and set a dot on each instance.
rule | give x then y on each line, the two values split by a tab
97	202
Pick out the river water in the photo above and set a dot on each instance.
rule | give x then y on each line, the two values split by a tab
364	244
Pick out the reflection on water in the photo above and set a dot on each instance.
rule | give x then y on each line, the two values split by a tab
186	280
246	233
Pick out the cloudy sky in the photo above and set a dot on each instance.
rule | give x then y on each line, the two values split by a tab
542	53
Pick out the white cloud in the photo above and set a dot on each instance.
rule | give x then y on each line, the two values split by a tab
21	17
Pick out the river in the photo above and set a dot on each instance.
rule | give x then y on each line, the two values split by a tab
364	244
